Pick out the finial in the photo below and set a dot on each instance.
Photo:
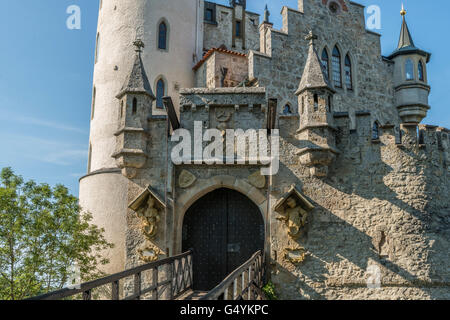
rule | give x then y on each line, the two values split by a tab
311	37
266	14
403	11
139	44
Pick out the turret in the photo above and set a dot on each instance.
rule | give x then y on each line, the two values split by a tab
315	100
410	77
135	98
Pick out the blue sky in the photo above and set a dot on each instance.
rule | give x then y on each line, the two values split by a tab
46	77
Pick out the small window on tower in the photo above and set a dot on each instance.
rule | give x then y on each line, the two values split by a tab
134	110
238	29
420	71
316	102
409	70
376	131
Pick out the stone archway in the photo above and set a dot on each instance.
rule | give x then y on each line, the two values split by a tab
225	228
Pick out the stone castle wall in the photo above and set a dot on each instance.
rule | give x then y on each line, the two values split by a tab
384	204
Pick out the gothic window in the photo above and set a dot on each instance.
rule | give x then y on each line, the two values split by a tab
375	131
336	60
420	71
316	102
287	110
162	36
409	70
160	89
134	106
348	73
326	63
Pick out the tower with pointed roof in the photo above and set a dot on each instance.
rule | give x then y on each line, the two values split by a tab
315	99
136	98
410	77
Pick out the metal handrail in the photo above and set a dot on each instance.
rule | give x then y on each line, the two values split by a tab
176	288
245	281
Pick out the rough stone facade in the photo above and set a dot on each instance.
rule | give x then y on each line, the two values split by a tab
358	189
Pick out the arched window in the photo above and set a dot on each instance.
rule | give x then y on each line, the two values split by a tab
348	73
336	61
94	94
97	47
287	110
326	63
162	36
420	71
375	131
134	106
409	70
316	102
160	89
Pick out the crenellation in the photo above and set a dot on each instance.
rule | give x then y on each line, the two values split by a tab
362	185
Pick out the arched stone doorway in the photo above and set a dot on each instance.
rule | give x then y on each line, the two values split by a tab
225	228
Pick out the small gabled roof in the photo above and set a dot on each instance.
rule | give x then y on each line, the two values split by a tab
294	191
314	76
137	80
142	198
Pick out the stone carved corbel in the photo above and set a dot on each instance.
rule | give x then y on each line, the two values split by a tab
148	252
148	207
295	255
293	209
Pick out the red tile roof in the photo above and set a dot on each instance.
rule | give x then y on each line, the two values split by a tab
211	51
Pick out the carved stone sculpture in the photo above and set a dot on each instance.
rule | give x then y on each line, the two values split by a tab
295	218
150	216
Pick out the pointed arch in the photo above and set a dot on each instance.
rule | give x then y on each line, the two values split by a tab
336	67
421	71
348	72
161	91
326	62
287	110
163	34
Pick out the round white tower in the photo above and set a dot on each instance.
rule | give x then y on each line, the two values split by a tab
173	35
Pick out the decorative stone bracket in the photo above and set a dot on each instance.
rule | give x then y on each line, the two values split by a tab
148	207
294	208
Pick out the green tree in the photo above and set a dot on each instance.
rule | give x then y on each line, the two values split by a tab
43	233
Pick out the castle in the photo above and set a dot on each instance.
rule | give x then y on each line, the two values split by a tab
360	206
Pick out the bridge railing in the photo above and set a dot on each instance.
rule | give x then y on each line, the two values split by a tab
178	274
245	283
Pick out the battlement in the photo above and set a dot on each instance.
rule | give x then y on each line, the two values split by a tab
426	140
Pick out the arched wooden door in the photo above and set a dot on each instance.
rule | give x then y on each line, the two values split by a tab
225	228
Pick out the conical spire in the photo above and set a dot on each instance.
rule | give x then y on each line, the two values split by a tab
137	80
405	36
314	76
266	15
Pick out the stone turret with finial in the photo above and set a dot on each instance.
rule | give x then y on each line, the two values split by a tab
315	101
410	79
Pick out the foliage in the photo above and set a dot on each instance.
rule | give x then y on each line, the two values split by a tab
43	234
269	291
